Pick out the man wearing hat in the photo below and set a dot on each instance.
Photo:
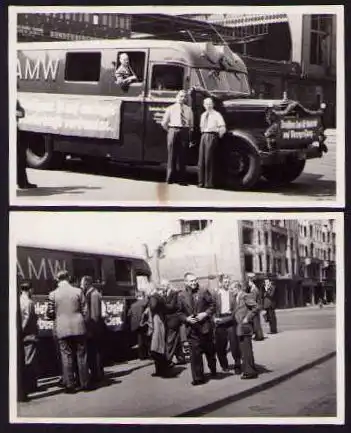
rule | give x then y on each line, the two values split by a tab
67	306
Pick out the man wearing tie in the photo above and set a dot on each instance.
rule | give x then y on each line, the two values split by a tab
226	327
178	121
197	307
213	128
124	73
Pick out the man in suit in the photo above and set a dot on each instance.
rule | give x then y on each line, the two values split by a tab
225	326
197	307
22	179
244	309
257	328
124	74
95	329
178	121
269	305
135	315
173	324
29	338
67	306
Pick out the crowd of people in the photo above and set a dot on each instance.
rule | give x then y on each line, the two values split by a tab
172	325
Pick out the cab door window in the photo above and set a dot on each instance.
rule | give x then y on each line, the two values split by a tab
167	78
83	67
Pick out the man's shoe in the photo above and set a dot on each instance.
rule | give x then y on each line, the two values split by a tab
237	370
27	186
70	391
225	369
249	376
213	373
198	382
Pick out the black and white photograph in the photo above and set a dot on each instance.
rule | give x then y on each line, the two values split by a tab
176	106
170	317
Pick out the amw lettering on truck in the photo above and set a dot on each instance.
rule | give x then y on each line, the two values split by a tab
45	268
38	69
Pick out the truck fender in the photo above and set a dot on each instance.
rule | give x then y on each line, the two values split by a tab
245	136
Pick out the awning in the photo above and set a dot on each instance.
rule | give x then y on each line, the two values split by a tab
248	20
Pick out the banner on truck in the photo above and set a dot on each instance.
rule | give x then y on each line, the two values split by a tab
81	116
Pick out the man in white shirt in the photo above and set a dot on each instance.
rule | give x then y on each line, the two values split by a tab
225	326
178	121
212	128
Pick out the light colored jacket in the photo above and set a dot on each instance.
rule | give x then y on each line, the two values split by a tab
69	308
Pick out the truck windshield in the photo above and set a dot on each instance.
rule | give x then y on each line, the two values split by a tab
225	81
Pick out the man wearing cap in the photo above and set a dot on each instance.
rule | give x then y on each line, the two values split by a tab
254	290
212	128
29	338
67	306
178	121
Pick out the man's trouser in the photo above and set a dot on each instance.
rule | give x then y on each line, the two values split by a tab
177	143
201	344
74	348
206	164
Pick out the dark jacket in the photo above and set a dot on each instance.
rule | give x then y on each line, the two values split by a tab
204	303
268	298
94	320
135	313
244	306
174	315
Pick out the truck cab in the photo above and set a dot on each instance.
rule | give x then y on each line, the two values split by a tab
74	106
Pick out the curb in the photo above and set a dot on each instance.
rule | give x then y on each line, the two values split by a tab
211	407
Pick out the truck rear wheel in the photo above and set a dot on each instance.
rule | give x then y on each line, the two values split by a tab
285	172
241	166
40	153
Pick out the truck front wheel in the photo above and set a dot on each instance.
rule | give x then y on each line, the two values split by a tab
285	172
241	165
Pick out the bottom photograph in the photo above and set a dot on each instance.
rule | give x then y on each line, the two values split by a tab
176	317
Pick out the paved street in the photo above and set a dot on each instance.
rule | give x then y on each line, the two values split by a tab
134	186
297	379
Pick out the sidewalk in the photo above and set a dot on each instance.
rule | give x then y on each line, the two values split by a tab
132	391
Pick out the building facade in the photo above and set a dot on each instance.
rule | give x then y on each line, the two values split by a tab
299	255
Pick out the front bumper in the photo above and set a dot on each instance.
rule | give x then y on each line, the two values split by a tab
314	150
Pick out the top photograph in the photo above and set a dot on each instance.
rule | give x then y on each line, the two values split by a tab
166	106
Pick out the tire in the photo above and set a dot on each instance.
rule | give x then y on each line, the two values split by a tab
241	165
40	153
285	172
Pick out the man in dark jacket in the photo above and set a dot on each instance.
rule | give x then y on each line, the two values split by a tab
173	324
255	292
197	307
244	309
29	335
135	314
269	305
22	179
95	330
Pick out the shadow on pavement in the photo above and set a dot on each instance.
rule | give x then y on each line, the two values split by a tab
42	191
126	372
261	369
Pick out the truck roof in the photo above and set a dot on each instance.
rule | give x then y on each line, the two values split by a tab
98	251
193	50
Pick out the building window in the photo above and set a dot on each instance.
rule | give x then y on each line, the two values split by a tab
312	249
266	238
247	236
320	39
306	251
259	237
293	270
260	263
248	263
268	263
311	232
305	231
83	67
189	226
287	266
167	77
